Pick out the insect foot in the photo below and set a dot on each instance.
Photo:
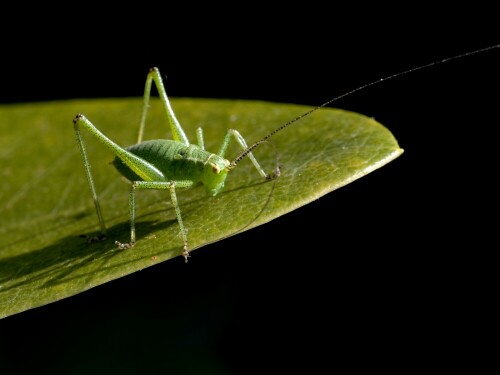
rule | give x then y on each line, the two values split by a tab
275	174
124	246
185	253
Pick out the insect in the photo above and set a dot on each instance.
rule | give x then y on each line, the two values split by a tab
177	164
165	164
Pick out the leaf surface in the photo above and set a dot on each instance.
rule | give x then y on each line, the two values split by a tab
46	205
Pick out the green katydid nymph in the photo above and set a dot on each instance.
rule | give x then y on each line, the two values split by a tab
177	164
166	164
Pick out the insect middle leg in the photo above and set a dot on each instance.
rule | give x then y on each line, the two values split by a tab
171	186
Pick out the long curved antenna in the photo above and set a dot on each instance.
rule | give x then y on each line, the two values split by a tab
245	152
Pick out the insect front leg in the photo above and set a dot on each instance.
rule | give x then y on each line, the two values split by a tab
242	143
177	131
171	186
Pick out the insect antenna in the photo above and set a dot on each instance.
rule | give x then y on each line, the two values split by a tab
248	150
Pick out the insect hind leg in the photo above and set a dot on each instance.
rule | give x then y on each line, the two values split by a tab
175	127
90	179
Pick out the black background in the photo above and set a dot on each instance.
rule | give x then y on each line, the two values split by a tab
372	276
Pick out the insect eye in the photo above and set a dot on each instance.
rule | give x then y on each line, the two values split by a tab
215	168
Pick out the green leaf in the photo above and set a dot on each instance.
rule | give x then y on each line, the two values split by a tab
45	201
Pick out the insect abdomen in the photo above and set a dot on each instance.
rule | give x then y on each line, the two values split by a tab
175	160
